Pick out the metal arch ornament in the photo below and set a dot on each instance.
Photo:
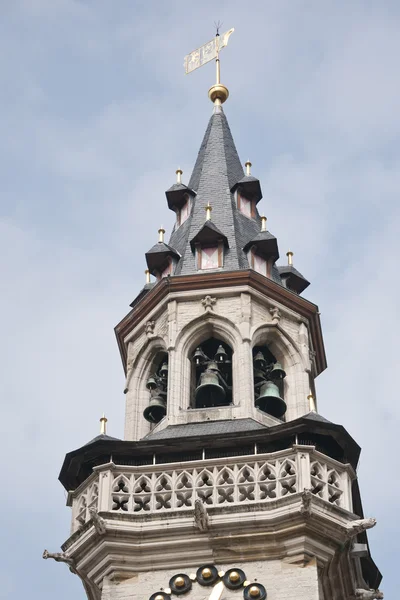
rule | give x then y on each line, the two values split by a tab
208	576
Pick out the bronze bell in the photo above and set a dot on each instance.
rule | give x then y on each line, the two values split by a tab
269	400
199	356
259	376
151	383
220	355
210	392
164	370
277	372
156	410
259	361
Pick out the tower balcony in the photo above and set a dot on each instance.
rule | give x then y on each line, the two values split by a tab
154	491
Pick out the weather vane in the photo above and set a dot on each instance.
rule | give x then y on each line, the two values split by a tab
218	93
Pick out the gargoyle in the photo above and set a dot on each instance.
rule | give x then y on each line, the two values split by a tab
92	591
358	526
98	522
201	519
61	557
368	594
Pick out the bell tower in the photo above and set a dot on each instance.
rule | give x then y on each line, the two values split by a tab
228	481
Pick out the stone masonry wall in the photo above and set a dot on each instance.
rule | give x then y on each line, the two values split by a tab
241	318
283	581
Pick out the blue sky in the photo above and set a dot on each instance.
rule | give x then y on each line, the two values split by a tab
96	115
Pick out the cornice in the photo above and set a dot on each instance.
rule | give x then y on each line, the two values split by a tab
279	530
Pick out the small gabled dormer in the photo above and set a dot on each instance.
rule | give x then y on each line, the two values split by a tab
180	198
262	250
161	258
291	278
209	244
247	192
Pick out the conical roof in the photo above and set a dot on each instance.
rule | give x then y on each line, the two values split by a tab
216	172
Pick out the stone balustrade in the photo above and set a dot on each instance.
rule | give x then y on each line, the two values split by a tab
218	482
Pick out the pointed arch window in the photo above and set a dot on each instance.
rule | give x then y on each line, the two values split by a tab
157	384
268	382
211	382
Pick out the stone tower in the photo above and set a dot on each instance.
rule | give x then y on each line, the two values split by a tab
228	482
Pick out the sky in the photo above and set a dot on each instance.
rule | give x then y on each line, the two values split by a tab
96	116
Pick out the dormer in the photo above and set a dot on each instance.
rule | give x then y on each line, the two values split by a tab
247	192
262	250
291	277
161	258
180	198
209	245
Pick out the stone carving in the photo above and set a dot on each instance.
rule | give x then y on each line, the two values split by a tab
358	526
98	522
61	557
208	303
306	498
276	314
149	328
326	483
368	594
201	519
228	482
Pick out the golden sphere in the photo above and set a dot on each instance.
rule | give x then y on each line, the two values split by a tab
218	91
254	591
234	576
179	582
159	597
206	573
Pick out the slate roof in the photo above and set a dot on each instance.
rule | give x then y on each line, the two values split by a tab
207	428
142	293
297	281
103	438
217	170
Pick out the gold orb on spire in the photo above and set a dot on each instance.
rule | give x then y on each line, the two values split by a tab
218	94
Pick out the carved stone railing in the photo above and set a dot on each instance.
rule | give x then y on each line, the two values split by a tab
217	482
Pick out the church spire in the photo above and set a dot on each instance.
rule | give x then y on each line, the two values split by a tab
215	179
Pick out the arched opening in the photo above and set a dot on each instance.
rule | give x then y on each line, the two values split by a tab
211	377
157	384
268	382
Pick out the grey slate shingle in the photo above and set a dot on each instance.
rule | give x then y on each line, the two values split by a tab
216	171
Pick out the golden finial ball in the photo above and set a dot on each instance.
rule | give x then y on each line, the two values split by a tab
254	591
206	573
234	576
179	582
218	92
